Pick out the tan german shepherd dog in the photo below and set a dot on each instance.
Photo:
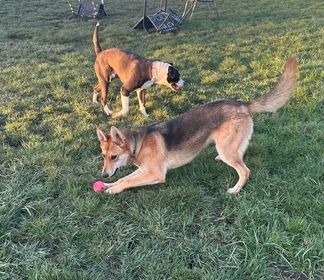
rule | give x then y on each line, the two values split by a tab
166	145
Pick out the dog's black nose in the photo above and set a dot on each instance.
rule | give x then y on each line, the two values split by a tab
105	174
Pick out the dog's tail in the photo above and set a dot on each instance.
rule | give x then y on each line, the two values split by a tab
95	40
280	94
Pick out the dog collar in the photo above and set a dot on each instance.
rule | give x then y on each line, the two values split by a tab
133	151
134	147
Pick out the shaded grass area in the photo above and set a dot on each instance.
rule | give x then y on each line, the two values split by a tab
54	227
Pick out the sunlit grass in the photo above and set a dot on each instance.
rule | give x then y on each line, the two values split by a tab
53	226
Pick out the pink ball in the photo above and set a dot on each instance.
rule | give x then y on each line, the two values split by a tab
98	186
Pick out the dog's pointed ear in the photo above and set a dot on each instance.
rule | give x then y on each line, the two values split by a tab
117	136
101	135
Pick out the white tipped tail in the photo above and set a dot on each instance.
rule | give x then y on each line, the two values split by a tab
280	94
95	39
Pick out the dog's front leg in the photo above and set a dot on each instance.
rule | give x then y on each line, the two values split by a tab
140	177
103	85
124	94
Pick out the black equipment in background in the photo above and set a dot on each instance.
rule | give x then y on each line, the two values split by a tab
165	20
89	9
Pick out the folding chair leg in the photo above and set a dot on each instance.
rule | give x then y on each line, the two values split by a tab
191	5
185	12
217	14
192	9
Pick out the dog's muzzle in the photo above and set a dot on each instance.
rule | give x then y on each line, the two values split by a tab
177	86
106	174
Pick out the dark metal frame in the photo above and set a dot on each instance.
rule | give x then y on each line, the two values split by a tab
147	22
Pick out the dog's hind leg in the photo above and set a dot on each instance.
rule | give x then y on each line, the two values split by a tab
103	99
96	92
232	140
103	84
237	163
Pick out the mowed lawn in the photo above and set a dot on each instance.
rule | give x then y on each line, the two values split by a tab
53	226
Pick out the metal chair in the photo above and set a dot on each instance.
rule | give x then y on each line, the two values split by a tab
191	5
89	9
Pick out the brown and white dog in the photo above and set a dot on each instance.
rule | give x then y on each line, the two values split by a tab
136	73
166	145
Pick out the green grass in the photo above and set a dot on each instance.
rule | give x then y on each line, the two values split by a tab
53	226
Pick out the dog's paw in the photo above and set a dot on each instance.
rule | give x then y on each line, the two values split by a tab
119	114
234	190
218	158
143	111
113	190
107	111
